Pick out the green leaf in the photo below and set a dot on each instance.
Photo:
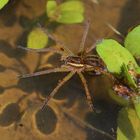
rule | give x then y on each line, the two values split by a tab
72	6
37	39
128	125
132	41
136	102
51	7
68	12
70	17
3	3
129	78
137	108
138	70
114	55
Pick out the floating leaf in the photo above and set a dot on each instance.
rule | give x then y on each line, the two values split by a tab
138	70
70	17
136	102
51	7
3	3
72	6
128	125
114	55
132	41
68	12
37	39
137	108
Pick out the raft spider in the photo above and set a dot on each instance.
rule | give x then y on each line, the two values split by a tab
72	63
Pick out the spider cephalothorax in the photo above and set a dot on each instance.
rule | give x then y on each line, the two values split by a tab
85	63
74	64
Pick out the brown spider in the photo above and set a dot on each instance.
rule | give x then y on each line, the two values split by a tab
72	63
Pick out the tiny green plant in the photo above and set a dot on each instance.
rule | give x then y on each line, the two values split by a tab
68	12
114	55
126	75
132	41
37	39
119	60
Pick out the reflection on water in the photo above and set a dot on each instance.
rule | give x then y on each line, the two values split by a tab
68	115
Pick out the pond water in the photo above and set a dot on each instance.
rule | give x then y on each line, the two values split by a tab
67	117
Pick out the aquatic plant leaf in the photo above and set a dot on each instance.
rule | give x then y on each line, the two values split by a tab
136	102
3	3
51	7
70	17
128	125
68	12
138	70
137	108
114	55
72	6
129	78
132	41
37	39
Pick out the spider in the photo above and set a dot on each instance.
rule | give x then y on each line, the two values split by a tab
79	63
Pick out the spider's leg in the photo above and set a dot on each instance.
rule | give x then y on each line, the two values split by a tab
104	72
56	40
61	69
60	84
114	30
50	49
88	50
84	82
82	45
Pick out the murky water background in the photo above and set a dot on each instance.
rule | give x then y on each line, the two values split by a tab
67	117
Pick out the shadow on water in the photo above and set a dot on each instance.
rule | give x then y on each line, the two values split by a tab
106	120
10	114
44	116
9	19
129	16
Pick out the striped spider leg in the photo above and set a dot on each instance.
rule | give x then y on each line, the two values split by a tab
73	64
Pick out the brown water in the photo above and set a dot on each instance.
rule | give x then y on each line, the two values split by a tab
67	117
